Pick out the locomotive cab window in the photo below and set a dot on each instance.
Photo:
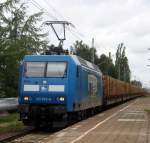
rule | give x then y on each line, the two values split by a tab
35	69
56	69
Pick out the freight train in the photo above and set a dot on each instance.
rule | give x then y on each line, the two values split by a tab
56	88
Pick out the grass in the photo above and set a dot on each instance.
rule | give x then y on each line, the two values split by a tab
10	123
147	110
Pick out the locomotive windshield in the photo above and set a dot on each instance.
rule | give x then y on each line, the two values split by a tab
56	69
35	69
45	69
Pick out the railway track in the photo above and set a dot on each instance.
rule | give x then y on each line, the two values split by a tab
12	136
35	136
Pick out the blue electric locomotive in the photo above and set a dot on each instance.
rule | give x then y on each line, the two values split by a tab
55	87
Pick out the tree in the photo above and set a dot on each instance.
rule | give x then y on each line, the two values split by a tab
105	63
121	64
19	35
137	83
84	51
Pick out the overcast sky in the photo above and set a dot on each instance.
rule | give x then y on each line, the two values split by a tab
109	22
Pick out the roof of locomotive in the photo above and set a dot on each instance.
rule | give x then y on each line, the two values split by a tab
78	60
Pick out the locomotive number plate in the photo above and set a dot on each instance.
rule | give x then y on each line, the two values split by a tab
43	99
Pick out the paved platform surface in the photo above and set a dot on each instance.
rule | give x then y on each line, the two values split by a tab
126	123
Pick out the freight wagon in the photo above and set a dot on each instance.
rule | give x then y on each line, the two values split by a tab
115	91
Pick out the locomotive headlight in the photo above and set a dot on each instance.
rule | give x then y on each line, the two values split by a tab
26	98
61	98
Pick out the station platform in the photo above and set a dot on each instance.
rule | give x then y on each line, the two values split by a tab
7	104
126	123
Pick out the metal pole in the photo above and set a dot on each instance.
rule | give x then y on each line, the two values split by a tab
124	73
93	50
119	69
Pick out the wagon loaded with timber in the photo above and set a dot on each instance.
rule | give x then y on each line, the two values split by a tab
116	91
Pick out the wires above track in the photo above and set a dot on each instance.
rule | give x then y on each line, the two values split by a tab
54	14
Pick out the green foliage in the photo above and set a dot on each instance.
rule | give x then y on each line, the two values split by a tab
106	65
10	123
19	35
84	51
121	64
119	70
137	83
